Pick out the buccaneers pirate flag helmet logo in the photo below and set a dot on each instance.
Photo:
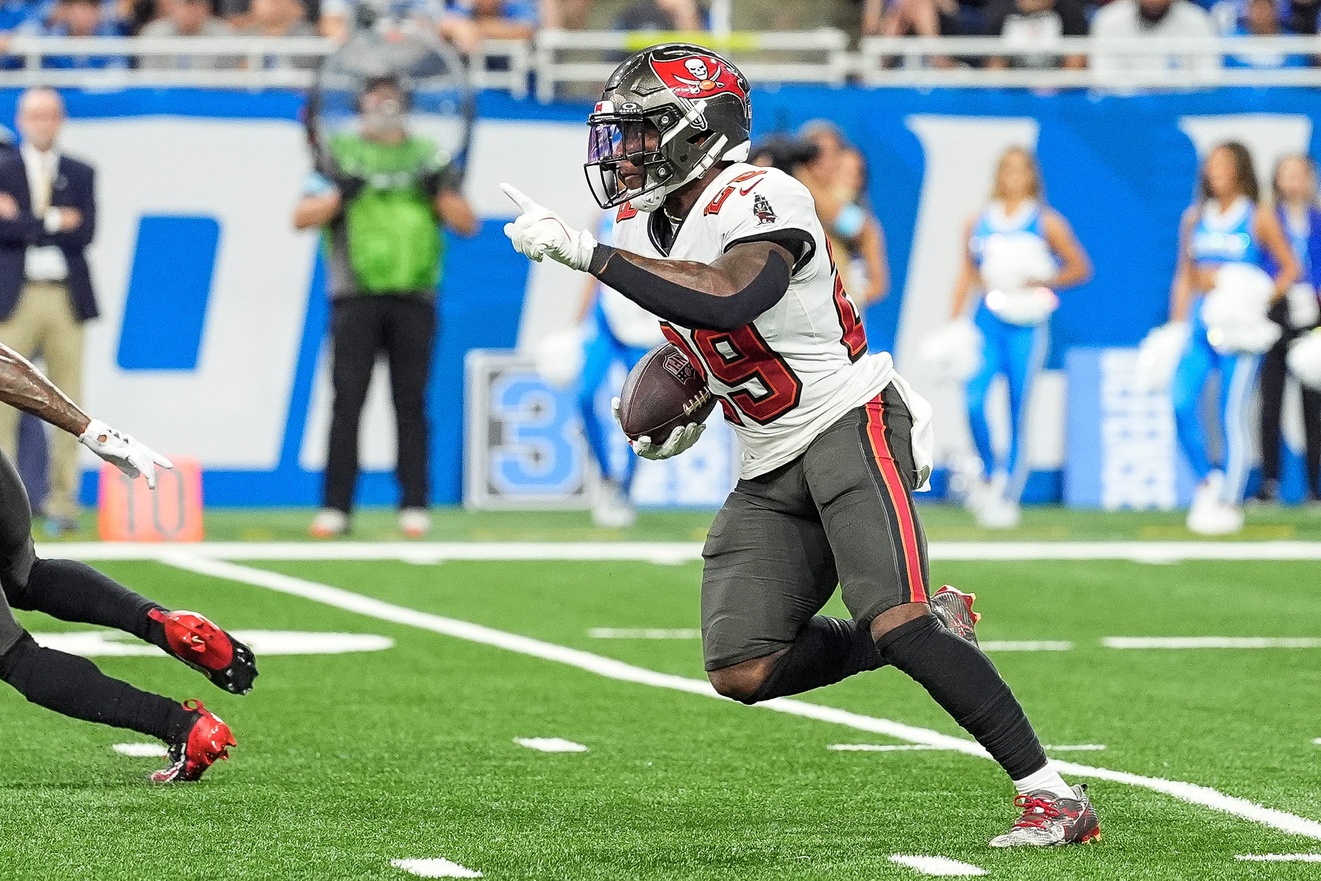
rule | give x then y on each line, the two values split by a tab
666	116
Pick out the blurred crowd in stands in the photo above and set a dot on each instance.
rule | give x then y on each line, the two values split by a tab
1033	25
1027	25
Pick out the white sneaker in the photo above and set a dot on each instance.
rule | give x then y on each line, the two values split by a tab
1215	518
612	509
976	495
999	513
1207	494
414	522
329	523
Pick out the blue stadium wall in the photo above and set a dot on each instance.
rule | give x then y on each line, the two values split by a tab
215	314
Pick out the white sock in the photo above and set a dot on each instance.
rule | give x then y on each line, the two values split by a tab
1048	779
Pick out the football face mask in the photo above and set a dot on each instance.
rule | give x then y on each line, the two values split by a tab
624	159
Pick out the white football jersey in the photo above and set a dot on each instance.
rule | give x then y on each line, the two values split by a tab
801	365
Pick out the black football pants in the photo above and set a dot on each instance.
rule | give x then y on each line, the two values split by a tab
404	328
1274	371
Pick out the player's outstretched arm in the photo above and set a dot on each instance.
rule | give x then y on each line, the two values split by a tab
743	283
24	387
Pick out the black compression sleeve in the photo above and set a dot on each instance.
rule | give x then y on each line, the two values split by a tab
684	306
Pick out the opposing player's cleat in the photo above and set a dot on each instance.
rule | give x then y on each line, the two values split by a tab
414	522
612	509
329	523
200	644
206	743
954	609
1050	821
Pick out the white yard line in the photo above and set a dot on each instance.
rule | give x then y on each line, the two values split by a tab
644	633
1279	857
1073	747
141	750
672	552
1025	645
1210	642
879	747
618	670
939	866
550	744
435	867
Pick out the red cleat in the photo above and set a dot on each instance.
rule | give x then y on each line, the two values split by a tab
1050	821
206	743
200	644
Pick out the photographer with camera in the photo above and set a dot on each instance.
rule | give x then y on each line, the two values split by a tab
382	196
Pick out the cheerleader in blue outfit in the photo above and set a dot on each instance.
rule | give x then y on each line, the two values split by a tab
1295	190
618	331
1019	252
1223	229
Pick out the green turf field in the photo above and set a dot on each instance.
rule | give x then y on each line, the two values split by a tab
346	762
942	522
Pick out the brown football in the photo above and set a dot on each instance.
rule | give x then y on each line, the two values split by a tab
662	392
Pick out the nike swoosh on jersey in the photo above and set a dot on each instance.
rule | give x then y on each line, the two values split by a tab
743	191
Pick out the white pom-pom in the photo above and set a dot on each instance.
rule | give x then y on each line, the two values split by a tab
1304	358
1010	261
559	357
1025	307
1159	354
953	353
1234	312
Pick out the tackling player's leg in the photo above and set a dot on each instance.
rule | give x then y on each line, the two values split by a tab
73	685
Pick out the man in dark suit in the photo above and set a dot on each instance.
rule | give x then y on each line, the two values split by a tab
47	219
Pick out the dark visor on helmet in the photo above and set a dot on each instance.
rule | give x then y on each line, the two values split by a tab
612	141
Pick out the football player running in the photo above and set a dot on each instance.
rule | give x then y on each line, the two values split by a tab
72	591
734	261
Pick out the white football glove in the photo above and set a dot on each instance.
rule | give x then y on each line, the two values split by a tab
539	232
679	440
122	451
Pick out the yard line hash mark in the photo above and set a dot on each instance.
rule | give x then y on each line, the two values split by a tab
610	668
435	867
880	747
1210	642
941	866
141	750
644	633
550	744
1279	857
1026	645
